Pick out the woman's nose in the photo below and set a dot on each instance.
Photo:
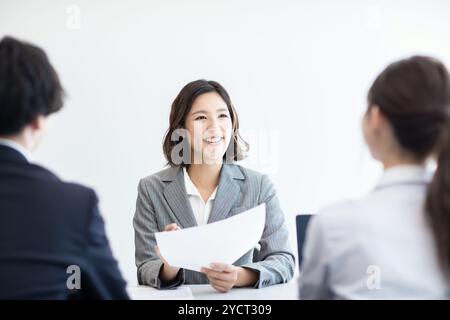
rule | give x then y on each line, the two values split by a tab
213	124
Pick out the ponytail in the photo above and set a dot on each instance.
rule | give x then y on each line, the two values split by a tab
437	203
414	95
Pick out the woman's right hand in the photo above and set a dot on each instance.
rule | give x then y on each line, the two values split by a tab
168	273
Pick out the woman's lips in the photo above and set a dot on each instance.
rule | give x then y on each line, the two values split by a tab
213	140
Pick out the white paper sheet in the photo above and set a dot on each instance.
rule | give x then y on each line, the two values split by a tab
149	293
223	241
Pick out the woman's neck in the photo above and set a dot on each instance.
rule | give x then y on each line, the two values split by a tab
402	159
205	176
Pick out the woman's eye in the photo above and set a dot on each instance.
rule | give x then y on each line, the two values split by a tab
223	115
200	118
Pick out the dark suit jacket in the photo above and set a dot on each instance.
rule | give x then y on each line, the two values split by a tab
47	226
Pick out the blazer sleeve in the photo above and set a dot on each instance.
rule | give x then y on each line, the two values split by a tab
274	261
102	279
313	276
147	261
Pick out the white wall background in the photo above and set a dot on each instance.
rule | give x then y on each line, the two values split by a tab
297	71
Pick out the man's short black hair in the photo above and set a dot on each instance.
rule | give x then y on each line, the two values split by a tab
29	86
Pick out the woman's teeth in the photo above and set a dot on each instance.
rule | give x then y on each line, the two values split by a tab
213	140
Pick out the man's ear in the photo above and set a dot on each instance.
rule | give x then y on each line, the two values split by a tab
38	123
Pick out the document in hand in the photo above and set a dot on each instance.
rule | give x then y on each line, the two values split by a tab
223	241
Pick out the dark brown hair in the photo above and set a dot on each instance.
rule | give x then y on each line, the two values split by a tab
414	95
180	109
29	86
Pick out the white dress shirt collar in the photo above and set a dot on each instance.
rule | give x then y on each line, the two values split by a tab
405	174
200	208
16	146
192	190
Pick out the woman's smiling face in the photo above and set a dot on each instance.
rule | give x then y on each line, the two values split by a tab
210	128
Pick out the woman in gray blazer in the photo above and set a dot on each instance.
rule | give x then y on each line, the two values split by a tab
204	185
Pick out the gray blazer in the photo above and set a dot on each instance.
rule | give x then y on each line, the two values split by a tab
162	199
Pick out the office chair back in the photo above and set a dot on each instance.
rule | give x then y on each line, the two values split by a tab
301	221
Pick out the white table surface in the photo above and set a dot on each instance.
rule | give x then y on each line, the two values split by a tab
288	291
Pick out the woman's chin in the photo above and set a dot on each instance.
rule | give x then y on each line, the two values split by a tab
213	157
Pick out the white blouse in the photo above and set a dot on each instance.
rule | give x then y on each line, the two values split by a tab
377	247
200	209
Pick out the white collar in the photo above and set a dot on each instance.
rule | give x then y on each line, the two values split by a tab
16	146
191	189
407	174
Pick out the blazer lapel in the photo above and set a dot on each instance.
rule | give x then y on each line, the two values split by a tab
176	196
227	193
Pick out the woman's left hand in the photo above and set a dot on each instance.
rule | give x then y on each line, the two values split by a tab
223	276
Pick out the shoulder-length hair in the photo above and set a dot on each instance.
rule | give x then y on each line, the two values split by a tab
238	147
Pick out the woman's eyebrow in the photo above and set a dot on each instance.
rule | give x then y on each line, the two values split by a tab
217	111
200	111
222	110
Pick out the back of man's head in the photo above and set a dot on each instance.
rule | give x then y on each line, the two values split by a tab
29	86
